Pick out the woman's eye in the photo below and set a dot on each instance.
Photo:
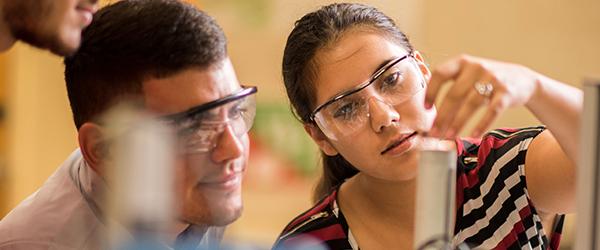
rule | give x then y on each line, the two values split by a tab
237	111
391	80
346	111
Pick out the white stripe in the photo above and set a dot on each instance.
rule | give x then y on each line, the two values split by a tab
503	195
540	234
352	240
485	187
313	217
503	230
531	232
336	209
527	246
510	134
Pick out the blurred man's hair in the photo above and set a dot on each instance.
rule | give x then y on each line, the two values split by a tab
132	40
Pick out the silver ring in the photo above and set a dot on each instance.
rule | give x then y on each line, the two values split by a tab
484	88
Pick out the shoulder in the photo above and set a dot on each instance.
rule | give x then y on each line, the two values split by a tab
498	141
503	135
492	191
55	215
317	226
32	245
486	164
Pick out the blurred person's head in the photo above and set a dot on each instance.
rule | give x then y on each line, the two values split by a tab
173	57
49	24
352	76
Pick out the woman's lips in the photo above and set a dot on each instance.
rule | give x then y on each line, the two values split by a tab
398	142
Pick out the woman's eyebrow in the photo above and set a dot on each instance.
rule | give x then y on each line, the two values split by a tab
383	64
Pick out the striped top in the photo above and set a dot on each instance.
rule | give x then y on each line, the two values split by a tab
494	210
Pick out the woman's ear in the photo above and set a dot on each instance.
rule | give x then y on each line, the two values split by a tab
93	146
422	65
317	135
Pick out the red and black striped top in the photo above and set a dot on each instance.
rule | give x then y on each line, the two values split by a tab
494	210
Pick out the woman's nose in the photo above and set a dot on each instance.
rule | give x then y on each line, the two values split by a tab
381	114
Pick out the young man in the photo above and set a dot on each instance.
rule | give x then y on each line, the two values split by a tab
173	57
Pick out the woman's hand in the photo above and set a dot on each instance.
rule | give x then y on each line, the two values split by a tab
551	155
476	83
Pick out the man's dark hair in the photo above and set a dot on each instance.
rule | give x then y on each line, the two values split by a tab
131	40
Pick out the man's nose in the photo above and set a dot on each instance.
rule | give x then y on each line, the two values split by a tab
229	146
381	114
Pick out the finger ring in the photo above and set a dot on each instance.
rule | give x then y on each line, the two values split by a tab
484	88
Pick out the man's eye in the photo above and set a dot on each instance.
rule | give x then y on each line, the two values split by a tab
202	132
346	111
198	138
209	115
185	131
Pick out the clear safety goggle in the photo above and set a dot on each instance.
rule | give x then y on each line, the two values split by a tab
200	128
348	112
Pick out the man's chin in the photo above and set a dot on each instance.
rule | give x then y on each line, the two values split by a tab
214	207
62	50
226	211
226	219
59	44
65	44
216	217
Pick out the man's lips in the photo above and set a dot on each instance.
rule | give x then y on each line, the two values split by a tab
91	9
398	142
227	180
86	13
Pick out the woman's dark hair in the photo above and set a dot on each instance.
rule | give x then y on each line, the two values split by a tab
315	31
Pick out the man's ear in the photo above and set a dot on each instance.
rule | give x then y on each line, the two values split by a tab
317	135
422	65
93	146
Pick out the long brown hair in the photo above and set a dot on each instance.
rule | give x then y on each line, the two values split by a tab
315	31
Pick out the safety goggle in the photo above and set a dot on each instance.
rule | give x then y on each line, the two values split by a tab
199	128
348	112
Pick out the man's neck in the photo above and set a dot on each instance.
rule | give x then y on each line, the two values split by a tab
191	237
6	37
175	230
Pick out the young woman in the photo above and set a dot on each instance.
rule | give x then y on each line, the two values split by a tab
365	95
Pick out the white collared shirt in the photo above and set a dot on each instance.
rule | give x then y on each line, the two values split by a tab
64	213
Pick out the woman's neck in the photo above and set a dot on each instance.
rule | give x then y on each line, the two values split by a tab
392	201
380	213
388	197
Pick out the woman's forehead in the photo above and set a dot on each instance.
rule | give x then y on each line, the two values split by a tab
359	45
351	60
